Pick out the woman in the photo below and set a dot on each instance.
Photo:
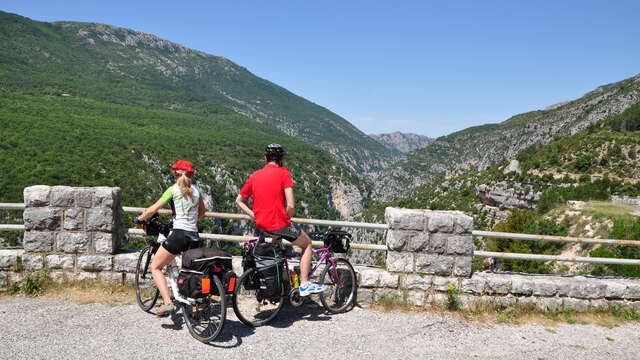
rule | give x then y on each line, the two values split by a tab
188	207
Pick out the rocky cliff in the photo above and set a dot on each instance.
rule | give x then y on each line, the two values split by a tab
402	143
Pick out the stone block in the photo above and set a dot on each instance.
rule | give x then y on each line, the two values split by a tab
63	196
462	266
437	299
36	196
400	261
56	261
544	287
463	224
84	197
125	262
416	282
368	277
589	289
460	245
440	221
4	280
416	298
598	304
499	284
443	283
434	264
95	262
44	218
9	259
419	242
438	243
58	276
112	276
105	243
549	303
237	265
521	286
575	304
404	219
388	293
35	241
632	292
70	242
528	301
566	284
84	276
474	285
388	280
398	239
365	296
74	219
615	290
32	262
100	219
104	197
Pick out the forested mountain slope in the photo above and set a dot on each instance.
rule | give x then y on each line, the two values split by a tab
482	146
123	66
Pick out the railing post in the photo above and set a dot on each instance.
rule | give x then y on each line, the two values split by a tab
429	242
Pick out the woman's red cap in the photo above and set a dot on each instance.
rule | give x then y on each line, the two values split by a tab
183	165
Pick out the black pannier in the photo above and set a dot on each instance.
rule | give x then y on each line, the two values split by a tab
269	270
194	284
202	259
198	266
337	241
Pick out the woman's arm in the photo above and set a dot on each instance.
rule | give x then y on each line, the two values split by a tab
201	209
148	212
242	204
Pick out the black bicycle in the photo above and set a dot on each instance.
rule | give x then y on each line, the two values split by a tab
262	288
199	291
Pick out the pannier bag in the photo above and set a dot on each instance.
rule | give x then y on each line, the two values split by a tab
194	284
337	241
198	267
269	270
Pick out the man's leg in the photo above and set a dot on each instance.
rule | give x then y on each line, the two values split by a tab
304	242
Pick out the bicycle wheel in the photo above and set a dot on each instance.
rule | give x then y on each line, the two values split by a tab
206	318
146	291
251	310
341	286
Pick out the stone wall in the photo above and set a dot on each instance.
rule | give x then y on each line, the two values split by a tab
74	233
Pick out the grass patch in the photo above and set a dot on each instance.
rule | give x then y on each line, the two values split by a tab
602	209
38	284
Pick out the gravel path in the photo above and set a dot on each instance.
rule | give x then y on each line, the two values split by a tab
55	329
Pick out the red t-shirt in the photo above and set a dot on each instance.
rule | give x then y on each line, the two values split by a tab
267	188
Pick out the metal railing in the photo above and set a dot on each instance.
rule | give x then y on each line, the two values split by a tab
364	225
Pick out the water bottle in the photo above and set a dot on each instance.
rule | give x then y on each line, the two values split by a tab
295	281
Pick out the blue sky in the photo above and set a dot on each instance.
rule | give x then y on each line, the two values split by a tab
428	67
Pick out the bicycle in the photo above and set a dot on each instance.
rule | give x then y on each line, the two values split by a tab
205	315
254	309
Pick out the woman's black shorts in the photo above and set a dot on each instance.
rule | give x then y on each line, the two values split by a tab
181	240
290	232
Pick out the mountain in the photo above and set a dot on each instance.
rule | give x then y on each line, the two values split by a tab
89	104
123	66
402	143
480	147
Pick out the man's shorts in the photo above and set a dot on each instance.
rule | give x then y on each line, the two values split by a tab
290	233
181	240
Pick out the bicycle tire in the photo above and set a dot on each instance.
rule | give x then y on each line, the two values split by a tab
245	303
338	299
147	295
206	323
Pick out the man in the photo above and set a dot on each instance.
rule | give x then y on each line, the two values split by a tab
273	206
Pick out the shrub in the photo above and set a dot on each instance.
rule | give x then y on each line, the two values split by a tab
453	298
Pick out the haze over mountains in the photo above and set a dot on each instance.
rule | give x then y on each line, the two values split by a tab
402	143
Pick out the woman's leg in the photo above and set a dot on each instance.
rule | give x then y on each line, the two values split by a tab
160	260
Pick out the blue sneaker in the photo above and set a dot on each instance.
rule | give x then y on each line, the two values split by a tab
309	288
